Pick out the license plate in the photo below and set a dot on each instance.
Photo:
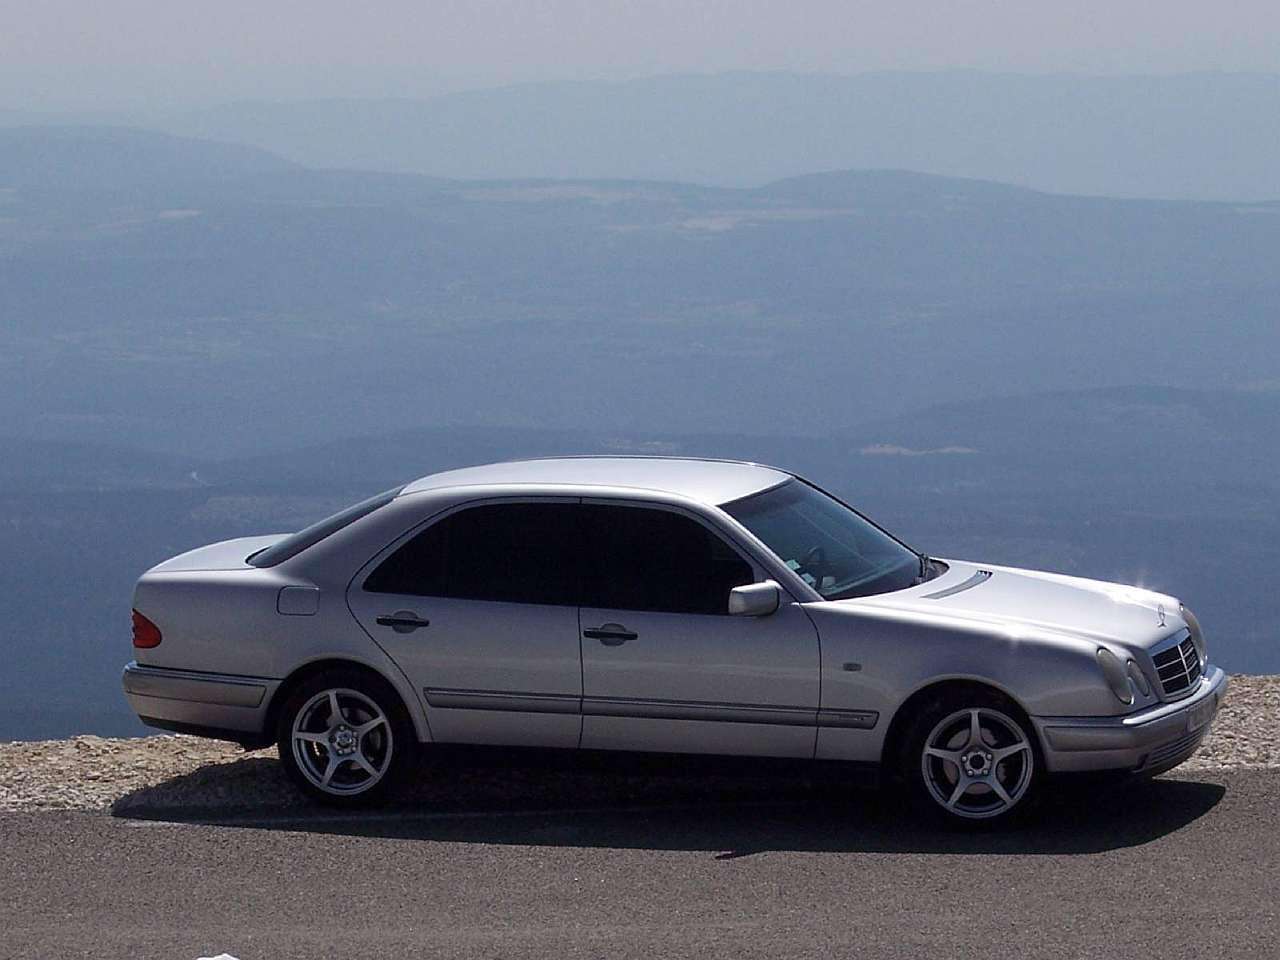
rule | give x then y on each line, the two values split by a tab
1201	714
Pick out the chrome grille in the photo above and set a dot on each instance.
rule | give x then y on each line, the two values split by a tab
1178	667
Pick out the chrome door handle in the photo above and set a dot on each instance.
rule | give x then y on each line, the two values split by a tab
402	621
610	634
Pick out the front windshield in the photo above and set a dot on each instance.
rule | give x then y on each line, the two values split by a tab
834	549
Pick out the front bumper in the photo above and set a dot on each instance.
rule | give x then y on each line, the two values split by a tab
213	704
1149	741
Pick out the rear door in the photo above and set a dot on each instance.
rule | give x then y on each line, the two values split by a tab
665	667
479	609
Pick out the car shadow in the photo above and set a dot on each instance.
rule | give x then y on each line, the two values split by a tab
653	803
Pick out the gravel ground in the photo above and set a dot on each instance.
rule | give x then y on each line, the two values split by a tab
165	772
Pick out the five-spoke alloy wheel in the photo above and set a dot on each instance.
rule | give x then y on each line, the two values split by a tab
343	736
971	758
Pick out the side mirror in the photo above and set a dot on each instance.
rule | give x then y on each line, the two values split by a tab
755	599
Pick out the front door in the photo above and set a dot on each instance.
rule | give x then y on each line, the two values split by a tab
480	611
664	665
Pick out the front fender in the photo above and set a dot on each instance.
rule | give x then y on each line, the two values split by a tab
875	660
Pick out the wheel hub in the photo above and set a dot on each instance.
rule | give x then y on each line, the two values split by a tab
345	741
977	763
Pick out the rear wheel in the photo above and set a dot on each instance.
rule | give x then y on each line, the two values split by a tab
344	737
971	759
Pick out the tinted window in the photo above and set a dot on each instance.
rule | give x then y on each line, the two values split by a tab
295	543
645	559
512	552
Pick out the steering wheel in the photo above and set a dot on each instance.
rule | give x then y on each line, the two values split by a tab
814	564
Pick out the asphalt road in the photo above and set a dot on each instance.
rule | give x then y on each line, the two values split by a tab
1184	867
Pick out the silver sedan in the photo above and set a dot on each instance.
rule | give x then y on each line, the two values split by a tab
666	605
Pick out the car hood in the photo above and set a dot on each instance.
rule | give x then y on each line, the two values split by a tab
1010	598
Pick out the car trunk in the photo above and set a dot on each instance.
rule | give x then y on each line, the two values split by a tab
225	555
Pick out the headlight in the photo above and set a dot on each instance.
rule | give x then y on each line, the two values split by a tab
1197	635
1139	678
1116	674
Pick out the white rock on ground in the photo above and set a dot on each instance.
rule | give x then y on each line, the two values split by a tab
94	773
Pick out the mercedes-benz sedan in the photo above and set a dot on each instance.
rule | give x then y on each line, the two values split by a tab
666	605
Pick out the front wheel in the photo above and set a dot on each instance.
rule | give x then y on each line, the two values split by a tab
971	759
344	738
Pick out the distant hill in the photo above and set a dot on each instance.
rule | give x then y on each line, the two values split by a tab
1164	436
227	302
84	158
1193	136
888	189
1159	439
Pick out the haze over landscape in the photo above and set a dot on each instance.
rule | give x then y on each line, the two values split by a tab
1024	314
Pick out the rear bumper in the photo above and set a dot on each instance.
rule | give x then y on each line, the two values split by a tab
223	704
1149	741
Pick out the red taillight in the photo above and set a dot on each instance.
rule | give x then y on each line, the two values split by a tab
145	633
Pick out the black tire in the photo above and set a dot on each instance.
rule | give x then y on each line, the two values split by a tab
1015	765
364	766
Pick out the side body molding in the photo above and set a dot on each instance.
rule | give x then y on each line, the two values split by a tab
647	709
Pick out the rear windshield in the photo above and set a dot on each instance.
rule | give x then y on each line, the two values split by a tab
307	537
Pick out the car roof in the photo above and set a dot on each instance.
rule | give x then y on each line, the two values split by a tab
708	481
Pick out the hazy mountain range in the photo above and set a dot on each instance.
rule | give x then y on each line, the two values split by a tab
1196	136
1202	136
199	300
203	340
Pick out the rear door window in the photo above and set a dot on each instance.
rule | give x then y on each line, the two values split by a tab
505	552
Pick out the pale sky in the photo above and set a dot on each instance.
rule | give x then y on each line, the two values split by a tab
84	54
